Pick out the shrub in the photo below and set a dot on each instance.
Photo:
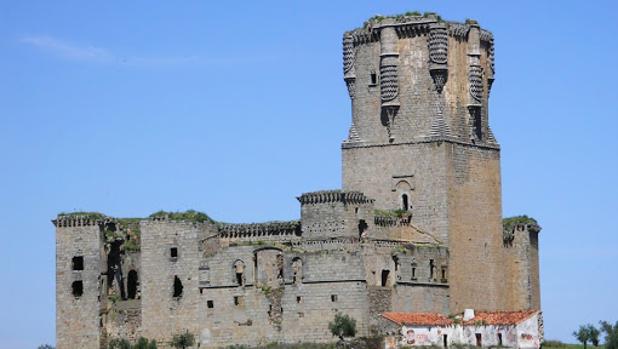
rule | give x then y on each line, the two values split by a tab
119	343
143	343
183	340
342	326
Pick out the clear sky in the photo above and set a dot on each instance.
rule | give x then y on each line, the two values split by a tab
234	108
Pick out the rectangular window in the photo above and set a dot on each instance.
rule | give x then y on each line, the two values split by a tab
299	299
413	272
239	301
174	252
479	341
443	274
77	288
210	304
78	263
499	339
333	297
431	268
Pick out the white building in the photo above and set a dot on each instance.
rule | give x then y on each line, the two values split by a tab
516	329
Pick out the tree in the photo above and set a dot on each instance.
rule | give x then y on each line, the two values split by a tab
587	333
611	334
183	340
342	326
594	335
46	346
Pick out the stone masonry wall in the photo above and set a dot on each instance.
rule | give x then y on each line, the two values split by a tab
77	318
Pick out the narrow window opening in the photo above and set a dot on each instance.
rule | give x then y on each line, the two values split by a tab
499	339
385	275
443	274
299	299
374	77
239	301
297	271
445	341
177	287
210	304
78	263
333	298
413	272
239	272
362	226
404	202
396	261
174	252
77	288
479	341
431	268
132	284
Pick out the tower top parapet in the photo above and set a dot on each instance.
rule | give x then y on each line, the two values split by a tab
416	77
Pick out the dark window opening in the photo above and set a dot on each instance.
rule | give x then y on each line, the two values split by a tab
333	297
239	272
239	301
299	299
362	226
396	261
413	272
114	268
374	78
78	263
431	268
404	202
385	275
132	284
443	274
177	287
445	340
77	288
479	341
210	304
174	252
499	339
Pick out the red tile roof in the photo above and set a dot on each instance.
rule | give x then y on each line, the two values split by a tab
500	317
481	317
426	319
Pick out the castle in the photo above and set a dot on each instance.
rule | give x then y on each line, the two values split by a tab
417	226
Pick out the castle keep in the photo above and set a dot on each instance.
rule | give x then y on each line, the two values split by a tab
417	226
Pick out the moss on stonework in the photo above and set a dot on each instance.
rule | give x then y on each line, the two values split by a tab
82	214
189	215
400	18
510	222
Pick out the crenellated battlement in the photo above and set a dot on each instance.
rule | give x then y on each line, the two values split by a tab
328	196
254	230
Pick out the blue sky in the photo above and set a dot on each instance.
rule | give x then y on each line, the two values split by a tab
235	108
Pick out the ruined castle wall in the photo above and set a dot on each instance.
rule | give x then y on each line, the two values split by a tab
477	277
521	262
164	315
288	309
77	317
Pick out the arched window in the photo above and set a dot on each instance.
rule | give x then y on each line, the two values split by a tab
404	202
132	284
239	272
297	270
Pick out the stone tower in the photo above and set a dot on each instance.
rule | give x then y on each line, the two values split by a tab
420	141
